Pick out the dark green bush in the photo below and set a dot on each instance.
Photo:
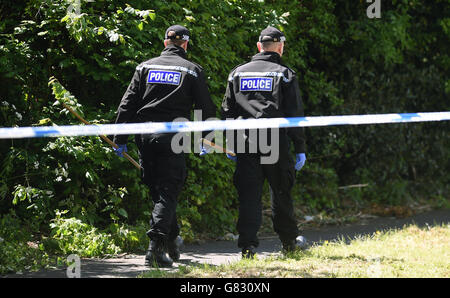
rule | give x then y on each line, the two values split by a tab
17	253
346	64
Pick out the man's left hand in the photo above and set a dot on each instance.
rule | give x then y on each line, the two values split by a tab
300	159
121	148
203	150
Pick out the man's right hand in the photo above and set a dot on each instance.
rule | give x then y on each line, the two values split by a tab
120	149
233	158
300	159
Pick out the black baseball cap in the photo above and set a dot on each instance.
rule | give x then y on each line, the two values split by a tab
180	33
271	34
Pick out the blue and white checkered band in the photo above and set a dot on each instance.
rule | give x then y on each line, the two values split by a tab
164	77
255	84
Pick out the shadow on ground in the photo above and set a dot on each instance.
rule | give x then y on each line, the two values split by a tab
223	252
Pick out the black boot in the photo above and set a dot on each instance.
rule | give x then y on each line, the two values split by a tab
249	252
173	248
156	256
297	244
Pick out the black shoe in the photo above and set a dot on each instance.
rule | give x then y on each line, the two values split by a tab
298	244
156	256
173	248
249	252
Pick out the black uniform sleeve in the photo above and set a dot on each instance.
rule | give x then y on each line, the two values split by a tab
292	106
202	98
229	103
128	106
228	111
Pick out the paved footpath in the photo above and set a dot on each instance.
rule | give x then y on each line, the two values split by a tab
223	252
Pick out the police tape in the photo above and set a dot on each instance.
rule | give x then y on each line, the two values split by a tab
209	125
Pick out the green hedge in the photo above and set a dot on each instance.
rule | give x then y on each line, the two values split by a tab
346	63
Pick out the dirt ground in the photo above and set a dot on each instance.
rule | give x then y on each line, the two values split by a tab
222	252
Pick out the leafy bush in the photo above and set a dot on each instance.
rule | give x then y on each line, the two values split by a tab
75	237
129	238
346	64
17	252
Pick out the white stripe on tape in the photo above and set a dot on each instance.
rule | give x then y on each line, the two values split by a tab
173	127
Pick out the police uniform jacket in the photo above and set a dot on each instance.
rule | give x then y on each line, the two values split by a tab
265	88
163	89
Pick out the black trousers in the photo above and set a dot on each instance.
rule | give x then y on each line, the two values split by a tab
164	172
249	178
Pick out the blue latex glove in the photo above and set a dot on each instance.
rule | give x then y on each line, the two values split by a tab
300	159
121	148
233	158
203	150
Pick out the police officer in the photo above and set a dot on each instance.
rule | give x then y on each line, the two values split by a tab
265	88
163	89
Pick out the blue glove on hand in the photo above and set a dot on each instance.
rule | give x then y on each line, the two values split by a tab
300	159
120	149
233	158
203	150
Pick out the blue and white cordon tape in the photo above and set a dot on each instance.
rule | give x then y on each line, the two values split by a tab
174	127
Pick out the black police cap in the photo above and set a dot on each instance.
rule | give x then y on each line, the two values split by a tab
177	32
271	34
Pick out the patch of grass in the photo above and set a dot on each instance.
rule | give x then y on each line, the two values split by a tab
408	252
18	252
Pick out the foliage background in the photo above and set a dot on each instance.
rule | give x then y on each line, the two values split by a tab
346	63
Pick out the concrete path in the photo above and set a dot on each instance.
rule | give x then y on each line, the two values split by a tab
222	252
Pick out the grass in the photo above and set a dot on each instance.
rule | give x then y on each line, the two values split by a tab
411	252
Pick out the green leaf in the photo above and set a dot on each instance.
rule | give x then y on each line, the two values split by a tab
122	212
89	176
65	19
44	121
113	37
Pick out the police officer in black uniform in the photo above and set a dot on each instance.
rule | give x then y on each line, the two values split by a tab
163	89
265	88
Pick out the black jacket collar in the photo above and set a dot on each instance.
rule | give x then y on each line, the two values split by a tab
172	49
268	56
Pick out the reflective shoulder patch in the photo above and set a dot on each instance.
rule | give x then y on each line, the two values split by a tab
167	67
255	84
257	74
164	77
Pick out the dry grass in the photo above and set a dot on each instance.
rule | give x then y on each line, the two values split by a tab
409	252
